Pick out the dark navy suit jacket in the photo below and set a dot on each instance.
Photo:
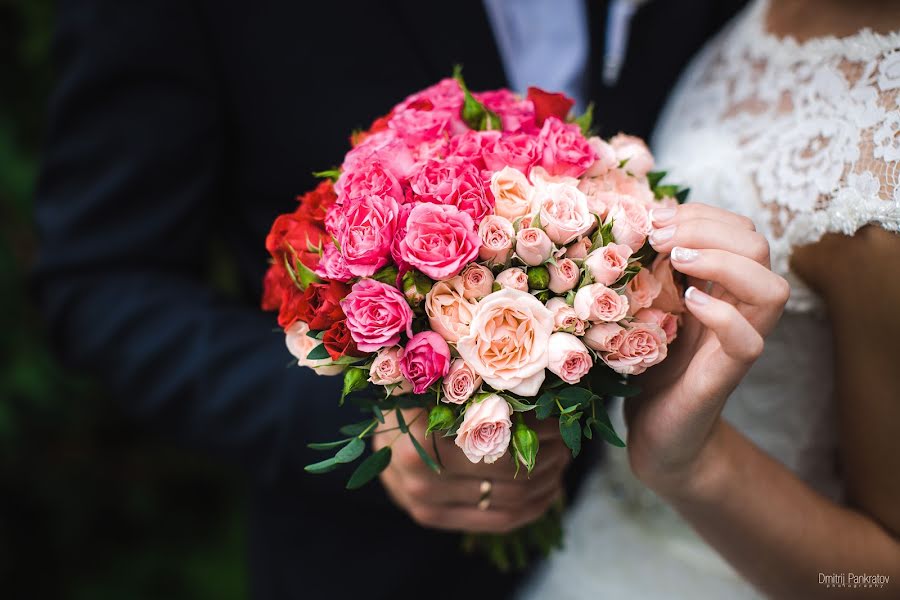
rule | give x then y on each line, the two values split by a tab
179	129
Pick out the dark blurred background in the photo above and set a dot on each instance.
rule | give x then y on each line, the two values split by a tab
90	506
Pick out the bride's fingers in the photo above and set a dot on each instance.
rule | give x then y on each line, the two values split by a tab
706	233
739	340
740	277
660	217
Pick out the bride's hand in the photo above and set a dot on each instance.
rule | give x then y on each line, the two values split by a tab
672	426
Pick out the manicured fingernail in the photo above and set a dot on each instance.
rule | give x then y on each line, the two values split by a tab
680	254
694	295
658	236
661	215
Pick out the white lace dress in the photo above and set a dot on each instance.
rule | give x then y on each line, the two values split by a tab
804	138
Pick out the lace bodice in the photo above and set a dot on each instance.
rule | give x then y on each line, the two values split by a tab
803	138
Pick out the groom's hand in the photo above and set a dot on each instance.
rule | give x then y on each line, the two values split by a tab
467	496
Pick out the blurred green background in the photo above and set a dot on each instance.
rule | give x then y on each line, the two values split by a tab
90	506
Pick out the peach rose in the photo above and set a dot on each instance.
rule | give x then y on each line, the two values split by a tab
605	157
508	341
485	430
513	278
533	246
607	264
564	275
599	200
478	281
385	370
604	337
568	358
460	382
497	236
449	311
642	290
631	222
667	321
643	345
512	193
579	249
635	151
563	212
671	296
598	303
300	345
564	317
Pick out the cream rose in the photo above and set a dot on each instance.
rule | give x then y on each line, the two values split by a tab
598	303
508	341
460	382
512	193
604	337
564	275
533	246
568	358
563	212
300	345
385	370
449	311
513	278
497	235
485	431
478	281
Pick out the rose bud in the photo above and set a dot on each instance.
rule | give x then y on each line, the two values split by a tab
478	281
564	275
604	337
568	357
579	248
538	278
460	382
440	418
533	246
496	234
564	317
514	278
525	443
607	264
598	303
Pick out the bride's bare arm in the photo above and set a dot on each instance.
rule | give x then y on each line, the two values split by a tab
772	527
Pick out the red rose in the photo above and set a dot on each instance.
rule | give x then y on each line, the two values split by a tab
274	285
314	204
293	306
338	342
293	231
322	304
547	104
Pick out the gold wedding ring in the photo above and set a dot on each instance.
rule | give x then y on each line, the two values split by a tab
484	500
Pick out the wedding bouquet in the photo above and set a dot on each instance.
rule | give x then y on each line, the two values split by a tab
477	256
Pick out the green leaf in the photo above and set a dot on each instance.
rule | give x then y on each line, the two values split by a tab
355	379
401	422
355	429
331	174
586	120
318	353
545	405
426	458
305	274
378	414
440	417
329	464
328	445
574	396
316	335
654	177
605	428
570	430
370	468
351	451
517	405
475	114
387	275
682	195
665	191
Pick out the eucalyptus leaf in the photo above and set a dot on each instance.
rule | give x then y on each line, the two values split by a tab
328	445
401	421
329	464
545	405
351	451
318	353
605	428
517	405
355	429
570	430
426	458
370	468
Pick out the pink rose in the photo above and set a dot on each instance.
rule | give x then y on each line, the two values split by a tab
478	281
385	371
445	95
367	233
440	240
417	126
385	148
564	275
631	222
332	264
563	211
485	430
605	157
643	345
512	193
376	315
513	278
460	382
533	246
579	249
564	149
300	345
520	151
449	312
642	290
508	341
604	192
604	337
667	321
635	151
598	303
516	114
496	235
564	317
670	298
599	200
607	264
425	359
470	146
569	359
370	180
453	182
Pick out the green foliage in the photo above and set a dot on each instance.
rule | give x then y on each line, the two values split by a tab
91	507
474	113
